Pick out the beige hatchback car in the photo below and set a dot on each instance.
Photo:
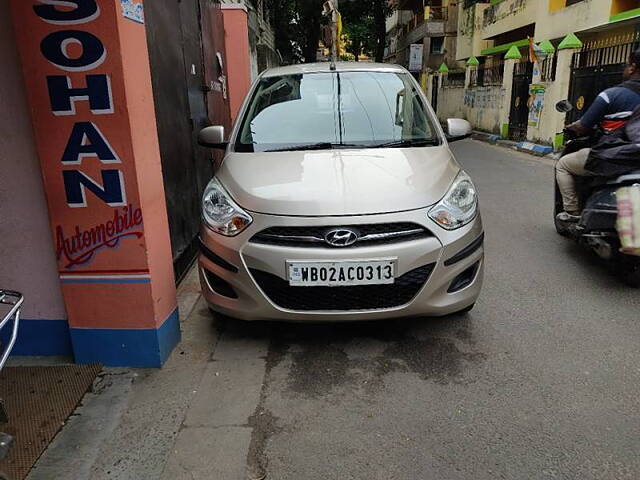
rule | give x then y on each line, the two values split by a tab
338	199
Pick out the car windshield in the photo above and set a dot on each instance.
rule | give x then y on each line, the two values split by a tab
335	110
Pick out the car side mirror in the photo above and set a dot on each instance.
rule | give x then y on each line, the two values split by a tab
212	137
458	129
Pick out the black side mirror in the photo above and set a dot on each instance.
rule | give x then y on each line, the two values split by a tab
564	106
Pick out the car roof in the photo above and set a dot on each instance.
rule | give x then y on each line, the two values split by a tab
325	67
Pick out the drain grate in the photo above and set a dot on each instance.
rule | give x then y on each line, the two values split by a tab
38	401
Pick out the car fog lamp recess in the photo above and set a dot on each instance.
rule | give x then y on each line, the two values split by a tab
459	205
221	213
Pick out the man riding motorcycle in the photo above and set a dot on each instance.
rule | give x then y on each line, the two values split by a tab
609	110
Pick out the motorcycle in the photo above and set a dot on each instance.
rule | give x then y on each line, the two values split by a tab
597	226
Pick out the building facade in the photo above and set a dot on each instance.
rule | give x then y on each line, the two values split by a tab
429	28
583	45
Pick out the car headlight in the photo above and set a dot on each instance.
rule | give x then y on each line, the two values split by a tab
221	213
459	206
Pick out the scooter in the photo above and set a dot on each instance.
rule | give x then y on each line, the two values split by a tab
597	226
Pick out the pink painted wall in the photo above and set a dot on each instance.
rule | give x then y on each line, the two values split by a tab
27	259
236	32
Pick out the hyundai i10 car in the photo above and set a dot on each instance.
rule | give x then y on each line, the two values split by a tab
338	199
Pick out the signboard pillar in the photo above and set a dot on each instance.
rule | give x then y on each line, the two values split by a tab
86	70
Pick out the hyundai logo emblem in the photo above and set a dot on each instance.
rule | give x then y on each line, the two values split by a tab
341	238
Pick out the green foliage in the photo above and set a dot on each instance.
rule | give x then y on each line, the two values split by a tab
297	25
364	26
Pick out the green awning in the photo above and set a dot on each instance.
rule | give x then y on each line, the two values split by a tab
618	17
505	47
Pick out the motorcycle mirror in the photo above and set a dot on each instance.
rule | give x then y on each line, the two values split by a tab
564	106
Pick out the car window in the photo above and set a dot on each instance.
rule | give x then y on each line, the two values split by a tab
363	109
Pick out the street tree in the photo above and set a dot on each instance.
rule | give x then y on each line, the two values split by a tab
298	26
365	26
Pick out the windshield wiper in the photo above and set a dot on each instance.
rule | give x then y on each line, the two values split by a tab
407	143
315	146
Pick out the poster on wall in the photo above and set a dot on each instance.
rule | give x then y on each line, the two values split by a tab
415	57
536	103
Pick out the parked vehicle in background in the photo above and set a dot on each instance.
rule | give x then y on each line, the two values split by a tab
339	199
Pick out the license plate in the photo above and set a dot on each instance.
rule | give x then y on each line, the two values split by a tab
340	274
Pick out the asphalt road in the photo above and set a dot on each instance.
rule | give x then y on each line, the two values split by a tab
541	380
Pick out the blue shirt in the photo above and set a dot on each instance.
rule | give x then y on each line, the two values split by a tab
611	104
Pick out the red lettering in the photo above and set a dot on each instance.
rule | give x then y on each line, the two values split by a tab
117	220
82	245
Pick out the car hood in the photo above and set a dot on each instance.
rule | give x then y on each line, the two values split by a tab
338	182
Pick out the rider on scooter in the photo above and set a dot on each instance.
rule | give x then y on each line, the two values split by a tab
610	110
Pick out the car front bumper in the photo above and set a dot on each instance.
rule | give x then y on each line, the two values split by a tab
229	286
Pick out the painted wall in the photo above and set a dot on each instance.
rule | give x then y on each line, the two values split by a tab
556	5
581	16
510	15
552	122
26	250
450	103
464	40
482	107
236	32
469	39
479	105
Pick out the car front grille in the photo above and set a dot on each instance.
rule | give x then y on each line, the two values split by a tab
314	237
360	297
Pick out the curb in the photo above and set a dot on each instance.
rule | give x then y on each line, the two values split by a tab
534	148
525	147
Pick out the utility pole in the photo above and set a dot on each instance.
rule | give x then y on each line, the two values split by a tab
331	7
334	32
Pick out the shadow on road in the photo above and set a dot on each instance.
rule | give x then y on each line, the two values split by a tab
602	273
321	357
